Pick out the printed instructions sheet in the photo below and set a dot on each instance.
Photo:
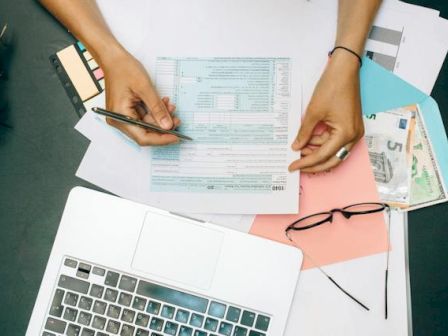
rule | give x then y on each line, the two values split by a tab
243	115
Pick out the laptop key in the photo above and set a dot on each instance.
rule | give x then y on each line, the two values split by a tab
153	308
196	320
96	291
217	309
55	325
182	316
170	328
127	283
262	323
225	329
99	322
73	284
199	333
142	332
111	279
110	295
85	303
83	271
168	312
84	318
256	333
113	327
240	331
87	332
99	307
70	263
127	330
211	324
233	314
56	305
128	316
125	299
101	334
139	303
248	318
70	314
172	296
113	311
46	333
73	330
156	324
142	320
98	271
185	331
71	299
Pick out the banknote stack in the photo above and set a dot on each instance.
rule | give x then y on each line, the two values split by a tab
403	161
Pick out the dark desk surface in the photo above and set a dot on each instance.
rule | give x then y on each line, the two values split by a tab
41	151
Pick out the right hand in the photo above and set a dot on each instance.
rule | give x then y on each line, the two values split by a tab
129	91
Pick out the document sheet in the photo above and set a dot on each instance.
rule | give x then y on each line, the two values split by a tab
236	110
243	114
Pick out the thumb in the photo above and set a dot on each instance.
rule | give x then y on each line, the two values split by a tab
309	122
157	107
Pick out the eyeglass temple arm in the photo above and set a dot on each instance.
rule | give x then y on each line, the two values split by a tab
348	294
385	295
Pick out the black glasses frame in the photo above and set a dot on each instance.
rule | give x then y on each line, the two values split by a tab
346	213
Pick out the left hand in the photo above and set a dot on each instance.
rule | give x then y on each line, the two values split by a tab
336	103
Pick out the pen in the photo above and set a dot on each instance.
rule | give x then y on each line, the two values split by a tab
128	120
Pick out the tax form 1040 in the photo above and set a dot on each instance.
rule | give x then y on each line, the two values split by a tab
243	114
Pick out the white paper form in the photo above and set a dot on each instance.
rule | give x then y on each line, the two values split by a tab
237	110
320	309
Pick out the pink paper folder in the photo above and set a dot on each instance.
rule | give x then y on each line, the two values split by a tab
350	183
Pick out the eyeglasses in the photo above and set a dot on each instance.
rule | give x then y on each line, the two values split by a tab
322	218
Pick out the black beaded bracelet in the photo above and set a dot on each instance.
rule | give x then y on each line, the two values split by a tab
346	49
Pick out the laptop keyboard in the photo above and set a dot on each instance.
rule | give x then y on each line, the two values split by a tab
91	300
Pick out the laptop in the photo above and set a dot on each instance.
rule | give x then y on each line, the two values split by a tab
123	268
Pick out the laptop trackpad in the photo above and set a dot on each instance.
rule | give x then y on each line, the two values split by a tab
178	250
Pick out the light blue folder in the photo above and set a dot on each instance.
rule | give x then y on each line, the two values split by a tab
381	90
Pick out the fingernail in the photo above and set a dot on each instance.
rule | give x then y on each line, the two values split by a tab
165	122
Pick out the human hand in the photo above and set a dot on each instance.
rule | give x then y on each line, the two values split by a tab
129	91
336	103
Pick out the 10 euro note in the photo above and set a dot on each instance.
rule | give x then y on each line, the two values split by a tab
389	137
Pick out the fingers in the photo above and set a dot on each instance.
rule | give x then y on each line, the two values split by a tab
329	164
156	106
150	120
171	107
320	139
140	135
322	154
143	137
306	131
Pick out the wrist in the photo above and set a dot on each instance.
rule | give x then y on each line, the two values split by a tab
106	51
343	62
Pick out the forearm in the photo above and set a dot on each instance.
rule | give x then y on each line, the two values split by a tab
88	26
355	18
